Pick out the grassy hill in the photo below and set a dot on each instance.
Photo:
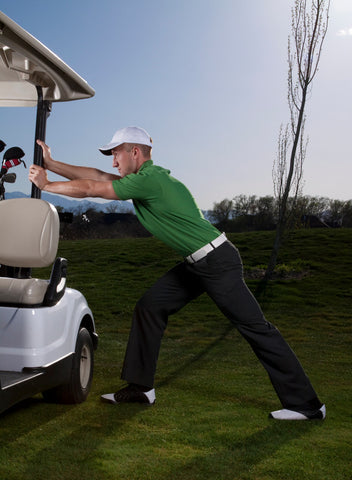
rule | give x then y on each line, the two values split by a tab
213	397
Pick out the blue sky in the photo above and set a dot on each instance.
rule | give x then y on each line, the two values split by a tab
206	78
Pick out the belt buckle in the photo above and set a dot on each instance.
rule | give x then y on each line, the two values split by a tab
199	255
203	252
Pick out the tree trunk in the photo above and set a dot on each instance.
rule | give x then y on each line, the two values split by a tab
282	221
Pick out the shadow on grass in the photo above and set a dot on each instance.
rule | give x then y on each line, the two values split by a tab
105	442
28	415
53	441
247	457
184	366
102	450
108	443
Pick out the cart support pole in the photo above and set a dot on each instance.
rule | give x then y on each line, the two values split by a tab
43	112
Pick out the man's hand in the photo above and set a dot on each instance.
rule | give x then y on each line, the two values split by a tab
80	188
38	176
47	158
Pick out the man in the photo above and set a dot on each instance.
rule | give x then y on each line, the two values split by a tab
211	264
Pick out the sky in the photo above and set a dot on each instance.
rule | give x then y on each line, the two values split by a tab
206	78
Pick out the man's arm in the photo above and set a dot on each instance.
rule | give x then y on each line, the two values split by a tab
79	188
73	172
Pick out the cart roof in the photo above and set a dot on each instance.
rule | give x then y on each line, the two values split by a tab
26	63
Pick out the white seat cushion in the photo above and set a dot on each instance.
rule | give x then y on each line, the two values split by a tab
29	236
29	232
29	291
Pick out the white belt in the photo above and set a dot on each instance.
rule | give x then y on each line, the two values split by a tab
203	252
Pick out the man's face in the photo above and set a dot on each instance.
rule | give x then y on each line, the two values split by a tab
124	161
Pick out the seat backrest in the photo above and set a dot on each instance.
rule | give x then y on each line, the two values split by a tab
29	232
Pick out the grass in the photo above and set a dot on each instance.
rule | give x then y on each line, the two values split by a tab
213	397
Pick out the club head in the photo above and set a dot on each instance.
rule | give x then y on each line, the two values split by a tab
9	177
13	152
2	145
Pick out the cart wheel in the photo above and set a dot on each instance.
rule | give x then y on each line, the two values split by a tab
77	390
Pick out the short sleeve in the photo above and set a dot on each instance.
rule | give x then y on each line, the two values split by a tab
134	187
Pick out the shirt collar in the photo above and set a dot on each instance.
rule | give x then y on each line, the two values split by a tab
146	164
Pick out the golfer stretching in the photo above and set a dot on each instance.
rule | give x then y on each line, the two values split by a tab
211	264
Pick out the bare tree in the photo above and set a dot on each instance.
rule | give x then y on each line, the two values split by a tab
222	211
309	27
245	205
112	207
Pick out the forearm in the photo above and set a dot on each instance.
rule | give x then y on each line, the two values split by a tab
72	188
74	172
82	188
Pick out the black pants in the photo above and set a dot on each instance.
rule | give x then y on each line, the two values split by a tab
220	275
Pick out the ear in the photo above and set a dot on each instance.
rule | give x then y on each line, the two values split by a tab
136	151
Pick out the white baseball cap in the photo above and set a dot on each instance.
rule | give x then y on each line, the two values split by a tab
127	135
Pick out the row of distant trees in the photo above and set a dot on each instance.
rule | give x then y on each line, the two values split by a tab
261	213
242	213
116	223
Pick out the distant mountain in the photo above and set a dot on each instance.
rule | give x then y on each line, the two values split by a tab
79	206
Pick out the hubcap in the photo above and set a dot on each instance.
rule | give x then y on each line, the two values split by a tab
85	366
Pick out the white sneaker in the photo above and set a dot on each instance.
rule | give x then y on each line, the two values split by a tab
286	414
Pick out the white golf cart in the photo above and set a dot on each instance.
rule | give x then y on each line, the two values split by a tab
47	331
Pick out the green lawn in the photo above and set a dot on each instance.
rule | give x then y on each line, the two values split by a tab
210	420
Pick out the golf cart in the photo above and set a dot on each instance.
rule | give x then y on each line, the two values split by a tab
47	330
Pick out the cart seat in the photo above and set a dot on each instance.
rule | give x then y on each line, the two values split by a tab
29	237
22	291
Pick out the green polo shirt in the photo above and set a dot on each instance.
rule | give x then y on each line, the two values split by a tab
166	208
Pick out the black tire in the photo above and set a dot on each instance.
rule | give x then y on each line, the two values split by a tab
77	389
